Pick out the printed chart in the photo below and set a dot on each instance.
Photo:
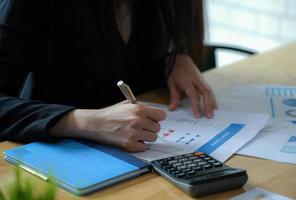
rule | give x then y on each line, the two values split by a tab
290	145
282	102
220	136
282	136
278	101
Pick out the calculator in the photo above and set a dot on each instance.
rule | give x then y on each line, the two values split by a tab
199	174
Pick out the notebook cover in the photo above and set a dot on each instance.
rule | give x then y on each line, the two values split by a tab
76	164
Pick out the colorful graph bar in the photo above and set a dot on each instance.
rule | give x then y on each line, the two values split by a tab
292	139
221	138
281	91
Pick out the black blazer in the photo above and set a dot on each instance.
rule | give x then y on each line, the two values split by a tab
74	62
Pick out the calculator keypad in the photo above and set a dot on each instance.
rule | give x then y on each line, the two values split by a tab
187	165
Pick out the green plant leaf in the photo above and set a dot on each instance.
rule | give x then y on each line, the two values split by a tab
1	196
22	189
49	194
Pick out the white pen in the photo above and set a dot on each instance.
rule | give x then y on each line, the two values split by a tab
125	89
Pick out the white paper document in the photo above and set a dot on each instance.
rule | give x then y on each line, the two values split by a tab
219	137
279	101
259	194
277	141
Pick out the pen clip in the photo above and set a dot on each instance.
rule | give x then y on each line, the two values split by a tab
131	95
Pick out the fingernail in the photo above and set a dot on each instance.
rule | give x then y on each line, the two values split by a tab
172	107
197	115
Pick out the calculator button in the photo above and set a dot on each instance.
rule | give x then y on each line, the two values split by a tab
199	154
183	159
179	175
197	168
207	166
189	173
177	164
161	162
217	164
187	162
181	167
166	165
186	170
192	165
192	157
172	162
197	160
168	159
178	157
164	168
207	158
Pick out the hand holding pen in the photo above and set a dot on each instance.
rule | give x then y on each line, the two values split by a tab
125	125
150	120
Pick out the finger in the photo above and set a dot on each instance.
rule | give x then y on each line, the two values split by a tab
208	96
193	96
151	125
137	146
174	97
148	136
131	144
155	114
208	103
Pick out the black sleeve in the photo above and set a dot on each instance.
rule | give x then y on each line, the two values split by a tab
20	33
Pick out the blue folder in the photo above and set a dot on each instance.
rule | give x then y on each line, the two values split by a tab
77	166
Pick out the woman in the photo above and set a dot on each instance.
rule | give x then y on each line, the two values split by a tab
77	50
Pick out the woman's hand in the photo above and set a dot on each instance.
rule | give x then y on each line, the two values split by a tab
185	77
123	125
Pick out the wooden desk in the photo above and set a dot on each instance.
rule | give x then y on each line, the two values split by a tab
274	67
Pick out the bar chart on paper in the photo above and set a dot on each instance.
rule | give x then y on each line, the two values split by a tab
186	138
172	130
220	136
282	136
282	102
290	145
279	101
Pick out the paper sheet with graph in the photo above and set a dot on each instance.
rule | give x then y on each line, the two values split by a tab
220	136
279	101
277	141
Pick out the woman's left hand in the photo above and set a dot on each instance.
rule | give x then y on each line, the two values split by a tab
185	77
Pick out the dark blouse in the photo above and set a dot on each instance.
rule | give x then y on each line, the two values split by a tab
74	64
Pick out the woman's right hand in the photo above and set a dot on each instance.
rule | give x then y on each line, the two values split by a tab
124	125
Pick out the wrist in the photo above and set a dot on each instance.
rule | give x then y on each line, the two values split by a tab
75	124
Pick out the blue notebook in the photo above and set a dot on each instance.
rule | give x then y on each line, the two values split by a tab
77	166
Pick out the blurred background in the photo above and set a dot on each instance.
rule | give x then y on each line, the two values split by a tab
258	25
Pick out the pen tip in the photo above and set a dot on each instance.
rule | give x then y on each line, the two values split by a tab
119	83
